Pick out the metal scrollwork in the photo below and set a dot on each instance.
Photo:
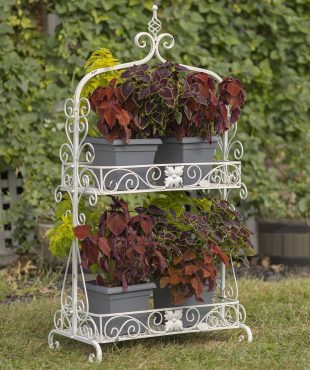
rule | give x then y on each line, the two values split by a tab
80	178
243	191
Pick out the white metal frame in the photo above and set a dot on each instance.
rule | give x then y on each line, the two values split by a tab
80	178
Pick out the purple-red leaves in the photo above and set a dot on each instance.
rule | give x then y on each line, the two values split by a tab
146	226
116	222
108	103
82	232
127	88
124	247
104	246
231	93
189	255
223	257
166	100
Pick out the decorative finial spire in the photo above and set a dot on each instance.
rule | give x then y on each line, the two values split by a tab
154	24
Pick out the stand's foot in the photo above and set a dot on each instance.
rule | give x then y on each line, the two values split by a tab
53	344
98	356
248	332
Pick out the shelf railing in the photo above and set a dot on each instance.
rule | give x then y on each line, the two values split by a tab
105	180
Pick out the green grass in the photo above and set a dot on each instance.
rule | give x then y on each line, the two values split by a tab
278	313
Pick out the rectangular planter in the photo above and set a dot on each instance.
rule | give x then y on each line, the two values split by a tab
162	299
188	150
104	300
119	153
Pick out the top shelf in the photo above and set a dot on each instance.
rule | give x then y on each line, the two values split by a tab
108	180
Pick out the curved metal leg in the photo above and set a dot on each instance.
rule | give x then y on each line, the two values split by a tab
98	356
53	344
248	332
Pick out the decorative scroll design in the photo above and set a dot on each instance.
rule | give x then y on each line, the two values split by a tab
76	122
154	25
105	180
234	146
231	291
76	151
63	318
165	40
120	326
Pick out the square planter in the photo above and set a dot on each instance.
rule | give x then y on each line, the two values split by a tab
119	153
188	150
104	300
162	299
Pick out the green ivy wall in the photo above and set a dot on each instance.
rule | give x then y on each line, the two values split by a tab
264	43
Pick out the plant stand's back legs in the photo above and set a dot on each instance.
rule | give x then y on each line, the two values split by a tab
98	356
53	344
248	332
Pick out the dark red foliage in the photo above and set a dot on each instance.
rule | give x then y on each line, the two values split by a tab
231	93
199	107
189	263
114	119
153	95
123	250
166	100
181	251
194	242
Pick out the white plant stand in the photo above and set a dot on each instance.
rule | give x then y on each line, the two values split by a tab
80	178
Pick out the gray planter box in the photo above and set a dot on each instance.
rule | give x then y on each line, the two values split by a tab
162	299
103	300
188	150
118	153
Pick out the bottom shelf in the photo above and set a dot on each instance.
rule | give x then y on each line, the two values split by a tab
95	329
115	327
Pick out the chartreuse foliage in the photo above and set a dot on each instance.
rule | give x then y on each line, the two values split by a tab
100	58
264	43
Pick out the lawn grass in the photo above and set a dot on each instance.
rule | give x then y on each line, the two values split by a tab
278	313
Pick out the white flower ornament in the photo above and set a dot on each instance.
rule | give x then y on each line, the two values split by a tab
174	320
173	176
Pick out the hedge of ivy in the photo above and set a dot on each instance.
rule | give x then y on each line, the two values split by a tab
264	43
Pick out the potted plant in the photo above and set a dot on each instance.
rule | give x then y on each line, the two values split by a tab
204	116
193	243
183	108
121	141
119	253
146	106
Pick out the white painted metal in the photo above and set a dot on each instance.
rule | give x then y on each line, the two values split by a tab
81	178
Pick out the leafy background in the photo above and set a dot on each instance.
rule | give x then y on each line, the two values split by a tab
263	43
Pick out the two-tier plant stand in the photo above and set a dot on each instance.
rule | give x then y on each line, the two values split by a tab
80	178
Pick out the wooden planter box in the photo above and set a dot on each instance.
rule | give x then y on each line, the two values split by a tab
285	241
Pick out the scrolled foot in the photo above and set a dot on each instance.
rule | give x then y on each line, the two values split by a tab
95	357
248	332
53	344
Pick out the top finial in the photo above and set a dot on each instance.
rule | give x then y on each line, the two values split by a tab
155	23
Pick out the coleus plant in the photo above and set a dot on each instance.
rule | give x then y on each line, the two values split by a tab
122	250
153	95
113	118
179	240
194	241
206	108
190	265
166	100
